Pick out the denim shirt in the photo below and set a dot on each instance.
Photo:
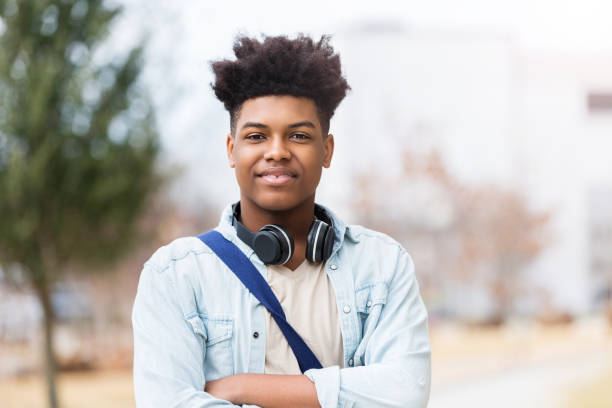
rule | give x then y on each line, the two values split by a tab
194	321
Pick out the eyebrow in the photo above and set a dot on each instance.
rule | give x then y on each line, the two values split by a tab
255	125
305	123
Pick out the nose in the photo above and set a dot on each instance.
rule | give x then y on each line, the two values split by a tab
277	149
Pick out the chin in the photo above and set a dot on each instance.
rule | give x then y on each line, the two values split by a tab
278	202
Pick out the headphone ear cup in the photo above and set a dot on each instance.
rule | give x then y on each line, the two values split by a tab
267	247
273	245
310	241
317	241
328	244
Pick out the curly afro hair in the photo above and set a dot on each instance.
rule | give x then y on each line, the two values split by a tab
281	66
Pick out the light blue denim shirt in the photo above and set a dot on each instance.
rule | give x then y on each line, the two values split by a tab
194	321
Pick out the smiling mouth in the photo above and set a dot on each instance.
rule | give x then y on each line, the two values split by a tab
277	177
277	180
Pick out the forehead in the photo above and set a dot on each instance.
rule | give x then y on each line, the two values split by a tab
278	110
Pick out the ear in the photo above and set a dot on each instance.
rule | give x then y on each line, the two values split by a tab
328	150
230	150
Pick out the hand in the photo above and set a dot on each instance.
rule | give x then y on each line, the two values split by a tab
226	388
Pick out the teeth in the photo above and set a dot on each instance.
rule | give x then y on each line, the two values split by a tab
277	176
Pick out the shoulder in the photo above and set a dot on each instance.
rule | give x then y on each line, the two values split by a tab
377	251
364	237
177	251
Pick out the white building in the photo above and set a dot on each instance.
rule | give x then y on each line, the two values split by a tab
499	114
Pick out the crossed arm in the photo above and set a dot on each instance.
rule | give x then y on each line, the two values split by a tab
166	370
395	370
265	390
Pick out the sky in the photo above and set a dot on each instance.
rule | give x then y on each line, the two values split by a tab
567	25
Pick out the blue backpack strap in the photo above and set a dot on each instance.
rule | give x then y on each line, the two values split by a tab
238	263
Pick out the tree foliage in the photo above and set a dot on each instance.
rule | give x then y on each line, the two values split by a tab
77	140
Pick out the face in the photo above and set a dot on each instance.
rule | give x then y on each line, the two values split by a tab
278	151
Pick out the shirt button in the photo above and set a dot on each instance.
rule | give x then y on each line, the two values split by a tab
255	335
333	267
346	309
369	303
350	362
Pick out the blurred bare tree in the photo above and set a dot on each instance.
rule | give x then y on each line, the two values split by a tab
77	146
457	232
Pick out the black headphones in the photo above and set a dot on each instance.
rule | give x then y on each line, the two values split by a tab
274	245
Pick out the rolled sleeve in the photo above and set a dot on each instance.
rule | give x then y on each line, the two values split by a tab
397	367
327	383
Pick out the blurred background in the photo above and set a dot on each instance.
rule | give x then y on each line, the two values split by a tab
477	133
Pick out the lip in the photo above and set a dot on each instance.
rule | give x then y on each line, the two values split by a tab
277	176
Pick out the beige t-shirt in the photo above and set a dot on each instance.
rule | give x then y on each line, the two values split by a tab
309	302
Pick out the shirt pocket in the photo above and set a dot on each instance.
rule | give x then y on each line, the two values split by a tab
219	357
369	301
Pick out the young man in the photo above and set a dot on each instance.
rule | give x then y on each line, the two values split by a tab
201	339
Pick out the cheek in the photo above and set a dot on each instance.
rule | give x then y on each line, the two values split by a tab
245	159
316	176
314	168
242	167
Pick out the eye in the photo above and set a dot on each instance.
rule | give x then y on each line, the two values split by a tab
300	136
255	137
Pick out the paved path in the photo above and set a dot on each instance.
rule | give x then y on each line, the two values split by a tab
542	386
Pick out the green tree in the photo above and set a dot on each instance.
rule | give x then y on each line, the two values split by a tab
77	146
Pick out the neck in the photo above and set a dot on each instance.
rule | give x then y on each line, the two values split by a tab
296	220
